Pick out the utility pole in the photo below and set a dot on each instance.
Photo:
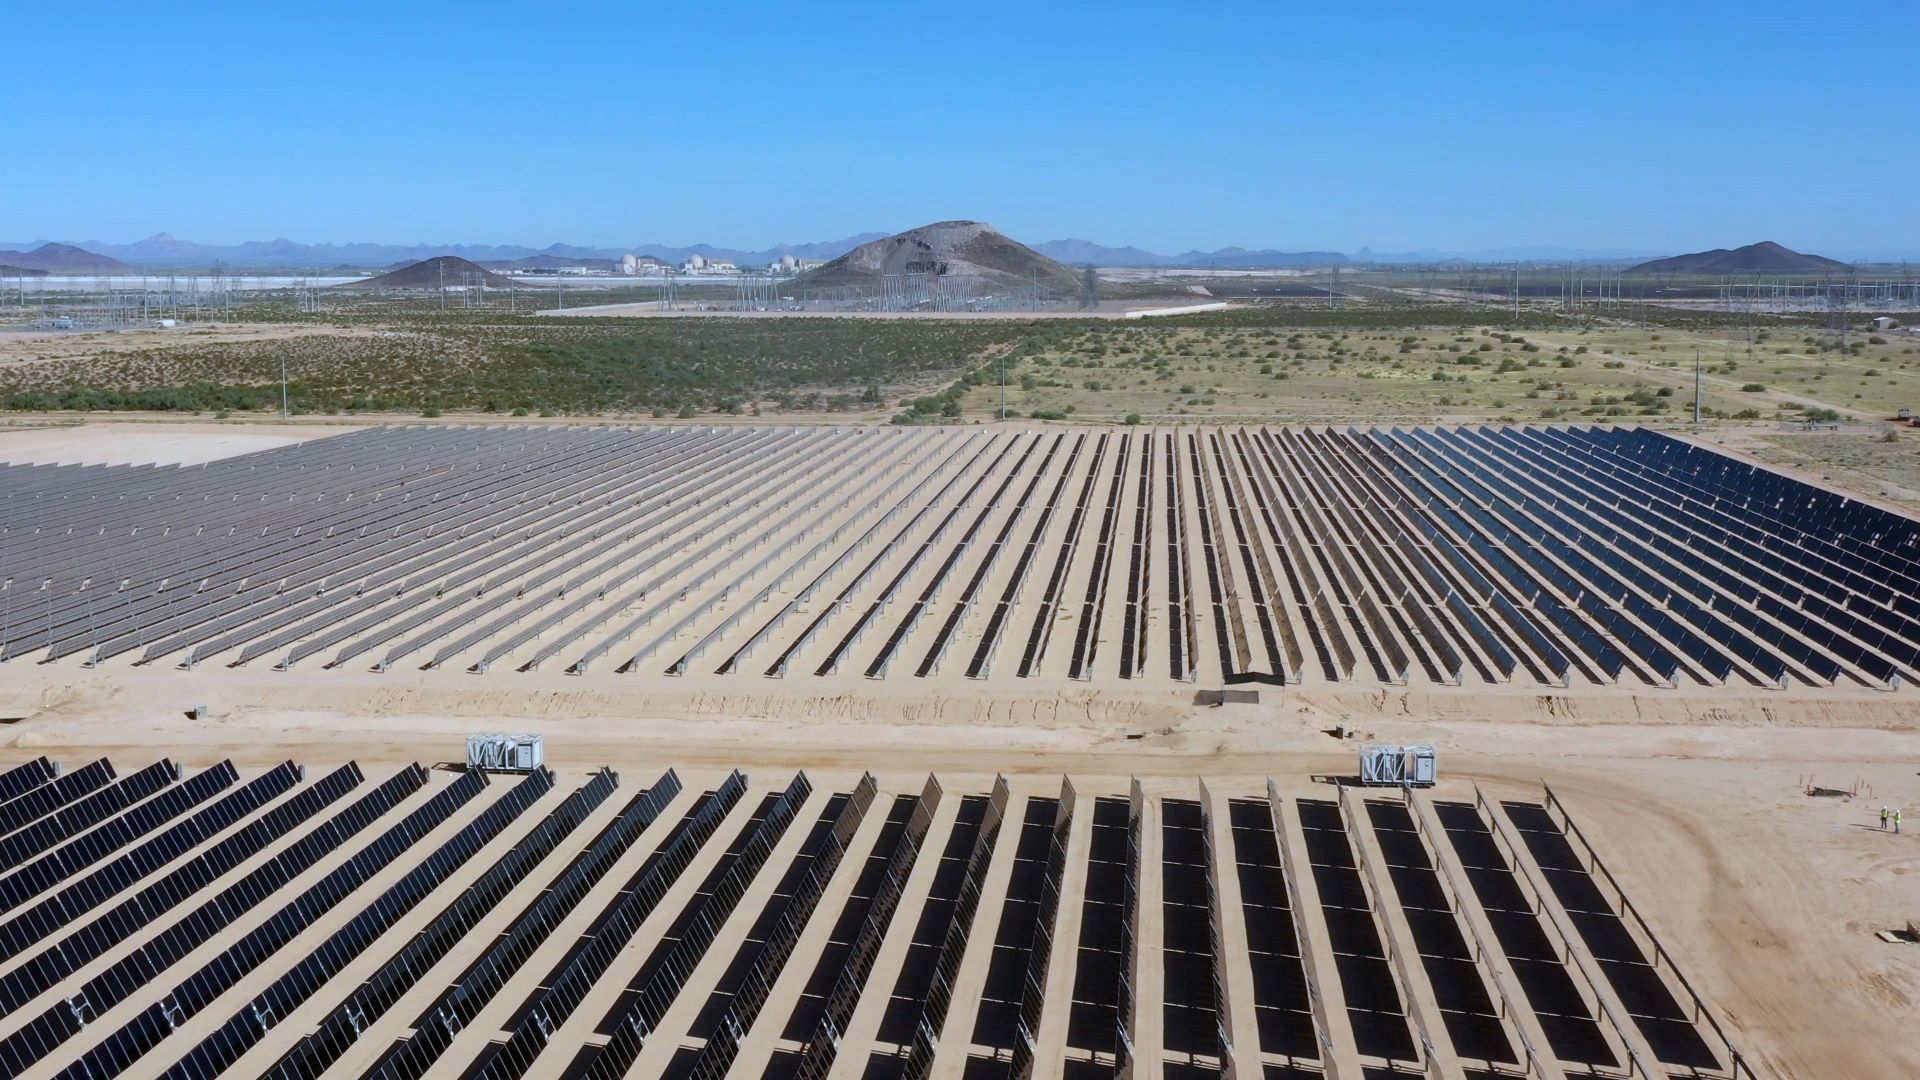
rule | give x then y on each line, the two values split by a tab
284	414
1696	387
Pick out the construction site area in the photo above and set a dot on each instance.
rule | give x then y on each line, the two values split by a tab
990	751
613	542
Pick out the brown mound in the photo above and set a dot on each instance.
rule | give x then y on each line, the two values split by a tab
948	249
444	271
1765	257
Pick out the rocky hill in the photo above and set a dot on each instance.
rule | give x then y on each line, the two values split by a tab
8	270
441	271
949	249
1765	257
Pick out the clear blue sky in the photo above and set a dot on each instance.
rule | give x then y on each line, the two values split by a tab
1169	126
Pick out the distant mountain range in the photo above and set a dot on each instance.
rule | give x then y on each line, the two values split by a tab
1088	252
164	251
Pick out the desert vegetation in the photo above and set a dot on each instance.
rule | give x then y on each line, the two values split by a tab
510	364
1371	362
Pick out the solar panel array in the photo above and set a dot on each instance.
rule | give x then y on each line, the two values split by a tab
1442	555
304	926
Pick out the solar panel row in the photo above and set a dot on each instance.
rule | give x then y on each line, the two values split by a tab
937	1000
43	799
1126	974
315	1052
261	944
1015	996
434	1032
157	953
822	1046
563	991
113	834
665	978
1487	933
1434	553
218	1051
39	922
767	959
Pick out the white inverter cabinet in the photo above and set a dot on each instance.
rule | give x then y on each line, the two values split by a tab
505	753
1398	765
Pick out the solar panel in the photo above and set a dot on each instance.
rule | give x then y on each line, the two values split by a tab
566	987
161	951
822	1046
384	988
1374	1007
221	1050
454	1009
44	799
203	987
1668	1027
953	946
744	1005
20	779
1012	998
83	851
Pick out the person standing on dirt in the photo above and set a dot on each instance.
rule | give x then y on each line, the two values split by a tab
1896	821
1884	815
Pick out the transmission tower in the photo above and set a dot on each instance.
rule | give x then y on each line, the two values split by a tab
1838	295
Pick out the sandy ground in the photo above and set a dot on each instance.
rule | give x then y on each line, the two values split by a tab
129	444
33	346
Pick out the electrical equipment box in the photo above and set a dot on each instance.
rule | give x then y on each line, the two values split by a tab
505	753
1398	766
